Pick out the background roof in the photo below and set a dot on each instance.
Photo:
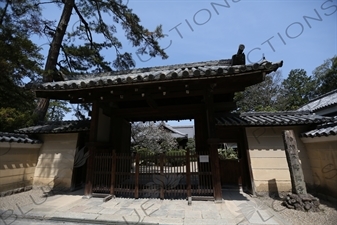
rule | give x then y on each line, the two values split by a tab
230	119
329	99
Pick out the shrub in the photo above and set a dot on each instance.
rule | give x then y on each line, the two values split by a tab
176	157
146	156
227	153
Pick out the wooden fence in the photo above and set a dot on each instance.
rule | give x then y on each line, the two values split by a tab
168	176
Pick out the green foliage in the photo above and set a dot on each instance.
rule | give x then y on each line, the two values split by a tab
260	97
12	119
146	155
325	76
19	59
191	145
290	94
73	49
296	90
23	15
176	157
57	110
83	45
227	153
143	151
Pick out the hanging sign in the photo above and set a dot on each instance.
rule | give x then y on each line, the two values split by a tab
203	158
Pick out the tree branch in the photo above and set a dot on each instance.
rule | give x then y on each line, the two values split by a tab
67	58
42	3
4	12
86	25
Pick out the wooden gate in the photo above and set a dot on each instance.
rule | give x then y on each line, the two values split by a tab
102	168
172	175
230	170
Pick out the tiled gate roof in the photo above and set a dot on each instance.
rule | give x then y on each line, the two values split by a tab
162	73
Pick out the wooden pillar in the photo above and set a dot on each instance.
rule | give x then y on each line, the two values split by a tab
92	139
137	177
248	180
215	168
188	173
213	146
162	195
200	124
113	172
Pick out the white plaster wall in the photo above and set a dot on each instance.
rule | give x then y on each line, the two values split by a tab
17	164
268	159
56	159
322	153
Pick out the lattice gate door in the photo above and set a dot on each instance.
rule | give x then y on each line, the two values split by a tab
201	175
102	166
171	176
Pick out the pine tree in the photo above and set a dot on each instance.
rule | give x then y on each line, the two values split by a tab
19	60
67	57
296	90
326	76
260	97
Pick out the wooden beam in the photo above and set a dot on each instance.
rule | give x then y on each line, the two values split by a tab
224	106
152	103
165	110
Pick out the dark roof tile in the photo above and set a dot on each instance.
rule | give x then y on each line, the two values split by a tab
326	129
179	71
329	99
270	119
57	127
18	138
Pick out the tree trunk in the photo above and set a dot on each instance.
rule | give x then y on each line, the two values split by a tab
54	51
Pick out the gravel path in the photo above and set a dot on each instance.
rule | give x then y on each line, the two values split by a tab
327	215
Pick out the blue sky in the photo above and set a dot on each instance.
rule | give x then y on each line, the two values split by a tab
282	30
301	33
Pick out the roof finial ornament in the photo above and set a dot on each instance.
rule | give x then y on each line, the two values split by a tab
239	58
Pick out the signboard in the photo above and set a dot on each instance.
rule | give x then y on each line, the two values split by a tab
203	158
